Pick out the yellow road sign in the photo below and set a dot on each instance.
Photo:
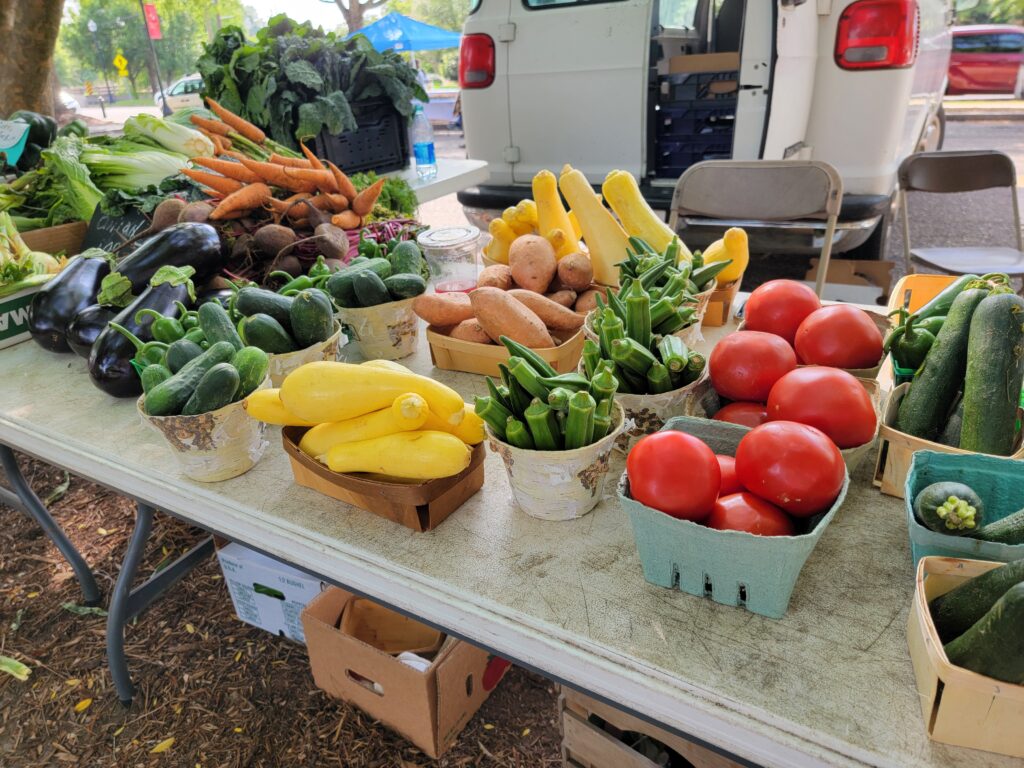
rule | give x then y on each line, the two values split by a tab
120	61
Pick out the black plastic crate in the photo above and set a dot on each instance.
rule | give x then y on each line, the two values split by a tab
680	121
688	86
674	157
381	143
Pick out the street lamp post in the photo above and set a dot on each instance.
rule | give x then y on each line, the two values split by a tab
92	26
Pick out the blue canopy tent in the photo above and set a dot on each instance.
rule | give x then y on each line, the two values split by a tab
400	33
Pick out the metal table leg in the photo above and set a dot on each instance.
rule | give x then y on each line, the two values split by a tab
27	501
126	603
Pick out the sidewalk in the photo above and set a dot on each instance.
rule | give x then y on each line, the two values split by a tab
983	108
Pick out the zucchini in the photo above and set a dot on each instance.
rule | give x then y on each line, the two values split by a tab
930	398
312	318
216	389
217	325
265	332
250	301
994	646
169	397
251	364
180	352
340	284
959	609
951	432
152	375
406	258
995	372
370	289
1009	530
941	304
405	286
952	508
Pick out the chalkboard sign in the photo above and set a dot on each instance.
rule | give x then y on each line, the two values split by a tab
111	232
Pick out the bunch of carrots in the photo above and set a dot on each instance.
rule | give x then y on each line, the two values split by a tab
244	185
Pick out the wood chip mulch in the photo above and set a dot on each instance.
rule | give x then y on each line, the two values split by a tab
211	691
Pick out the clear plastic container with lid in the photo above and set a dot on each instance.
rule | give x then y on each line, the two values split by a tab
451	253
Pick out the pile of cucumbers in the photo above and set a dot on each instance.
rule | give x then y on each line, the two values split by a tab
979	623
279	323
370	281
967	388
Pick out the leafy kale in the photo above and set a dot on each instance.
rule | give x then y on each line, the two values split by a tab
295	80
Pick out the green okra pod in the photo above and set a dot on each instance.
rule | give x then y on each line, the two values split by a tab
529	378
518	397
505	375
658	379
612	328
603	385
602	418
616	305
517	434
579	423
591	357
695	367
540	418
494	413
558	398
661	310
495	393
673	353
638	315
629	353
538	363
574	382
650	277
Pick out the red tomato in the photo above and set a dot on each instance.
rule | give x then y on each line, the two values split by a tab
744	414
841	336
827	398
792	465
730	484
779	306
744	365
676	473
747	512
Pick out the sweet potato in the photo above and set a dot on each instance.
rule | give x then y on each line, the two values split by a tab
575	271
533	263
470	330
552	314
565	297
587	300
500	314
495	276
443	309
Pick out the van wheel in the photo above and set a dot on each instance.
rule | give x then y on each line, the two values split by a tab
934	133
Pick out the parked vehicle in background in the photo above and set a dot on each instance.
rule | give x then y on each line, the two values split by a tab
183	93
68	102
652	87
987	58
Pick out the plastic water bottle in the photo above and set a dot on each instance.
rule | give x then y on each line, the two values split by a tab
423	145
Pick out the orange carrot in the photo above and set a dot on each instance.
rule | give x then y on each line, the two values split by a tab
226	143
294	179
235	155
314	161
244	127
218	145
213	126
345	185
347	220
222	184
227	168
365	200
245	199
293	162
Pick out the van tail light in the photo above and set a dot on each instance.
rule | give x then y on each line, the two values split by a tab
877	34
476	61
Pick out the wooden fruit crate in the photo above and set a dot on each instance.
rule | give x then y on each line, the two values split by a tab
585	745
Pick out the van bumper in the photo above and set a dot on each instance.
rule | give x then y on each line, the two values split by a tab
858	217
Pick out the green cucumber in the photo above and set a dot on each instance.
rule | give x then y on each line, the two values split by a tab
265	332
406	258
216	389
951	508
154	374
951	432
250	301
405	286
217	325
994	646
995	372
169	397
180	352
251	364
370	289
340	284
312	318
930	399
959	609
1009	530
941	304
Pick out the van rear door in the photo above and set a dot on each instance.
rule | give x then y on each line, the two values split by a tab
578	78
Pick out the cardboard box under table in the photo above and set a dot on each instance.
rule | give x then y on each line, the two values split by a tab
430	708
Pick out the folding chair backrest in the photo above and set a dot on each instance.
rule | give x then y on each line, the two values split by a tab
967	171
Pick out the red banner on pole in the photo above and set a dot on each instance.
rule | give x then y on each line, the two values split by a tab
152	22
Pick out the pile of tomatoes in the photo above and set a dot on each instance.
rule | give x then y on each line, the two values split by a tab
783	473
786	326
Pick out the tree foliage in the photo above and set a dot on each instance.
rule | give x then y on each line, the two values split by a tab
993	12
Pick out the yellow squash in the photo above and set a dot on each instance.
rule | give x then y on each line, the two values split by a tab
502	236
470	431
329	391
606	240
389	365
408	412
265	405
734	246
418	455
622	193
552	217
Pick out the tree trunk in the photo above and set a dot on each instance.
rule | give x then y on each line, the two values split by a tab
28	35
354	11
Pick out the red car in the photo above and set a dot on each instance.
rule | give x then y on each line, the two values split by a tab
987	58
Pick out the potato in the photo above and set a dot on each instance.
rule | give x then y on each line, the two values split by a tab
575	271
500	314
470	330
495	276
533	262
586	301
443	309
565	297
552	314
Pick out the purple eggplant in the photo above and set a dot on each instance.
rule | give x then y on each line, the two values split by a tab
63	297
187	244
87	325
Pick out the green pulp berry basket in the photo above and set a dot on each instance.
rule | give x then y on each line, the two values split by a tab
730	567
997	481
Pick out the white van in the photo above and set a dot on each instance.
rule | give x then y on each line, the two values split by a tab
653	86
